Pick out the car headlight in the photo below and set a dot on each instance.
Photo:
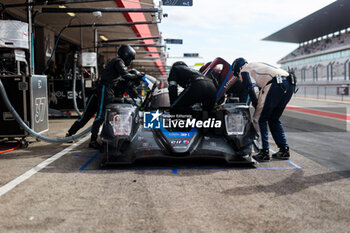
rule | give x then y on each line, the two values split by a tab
235	123
121	123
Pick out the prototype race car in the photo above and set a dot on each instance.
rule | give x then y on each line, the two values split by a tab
146	130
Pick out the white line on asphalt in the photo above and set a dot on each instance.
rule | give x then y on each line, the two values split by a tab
12	184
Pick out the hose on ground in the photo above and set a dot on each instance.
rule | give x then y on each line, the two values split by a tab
29	130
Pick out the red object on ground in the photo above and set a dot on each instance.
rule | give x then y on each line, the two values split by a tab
8	150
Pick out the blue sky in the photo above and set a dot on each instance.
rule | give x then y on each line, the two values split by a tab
232	28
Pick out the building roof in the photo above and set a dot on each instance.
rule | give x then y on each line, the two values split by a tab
332	18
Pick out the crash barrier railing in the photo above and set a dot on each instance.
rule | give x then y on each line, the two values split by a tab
325	90
28	129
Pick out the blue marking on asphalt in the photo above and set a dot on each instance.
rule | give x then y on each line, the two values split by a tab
295	165
90	160
84	156
174	170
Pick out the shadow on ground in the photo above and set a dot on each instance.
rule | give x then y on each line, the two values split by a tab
290	185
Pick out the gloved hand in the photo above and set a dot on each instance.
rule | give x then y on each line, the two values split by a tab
137	73
141	74
135	81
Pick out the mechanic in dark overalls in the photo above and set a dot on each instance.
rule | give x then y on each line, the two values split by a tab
236	90
89	112
197	89
270	89
114	80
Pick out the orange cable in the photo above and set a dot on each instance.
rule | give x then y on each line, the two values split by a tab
15	148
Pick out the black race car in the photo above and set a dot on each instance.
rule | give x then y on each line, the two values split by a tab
145	129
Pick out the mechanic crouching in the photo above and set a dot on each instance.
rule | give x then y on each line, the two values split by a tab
197	89
270	89
114	81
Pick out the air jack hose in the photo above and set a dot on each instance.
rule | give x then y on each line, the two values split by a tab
54	49
75	84
29	130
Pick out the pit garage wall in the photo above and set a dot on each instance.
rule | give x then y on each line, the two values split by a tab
140	30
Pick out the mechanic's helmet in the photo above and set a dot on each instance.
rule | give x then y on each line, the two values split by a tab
237	65
127	54
179	63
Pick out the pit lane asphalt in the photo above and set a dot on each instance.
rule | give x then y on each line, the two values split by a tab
325	140
73	195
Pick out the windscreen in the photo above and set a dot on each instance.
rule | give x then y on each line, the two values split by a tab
160	97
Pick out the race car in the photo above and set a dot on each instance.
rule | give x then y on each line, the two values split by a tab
145	129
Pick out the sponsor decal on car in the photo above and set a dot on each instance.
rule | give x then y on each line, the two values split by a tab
155	120
180	142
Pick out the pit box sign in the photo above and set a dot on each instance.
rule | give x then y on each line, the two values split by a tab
343	90
191	55
39	103
177	2
173	41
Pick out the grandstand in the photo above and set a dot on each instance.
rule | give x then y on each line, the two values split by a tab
322	60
